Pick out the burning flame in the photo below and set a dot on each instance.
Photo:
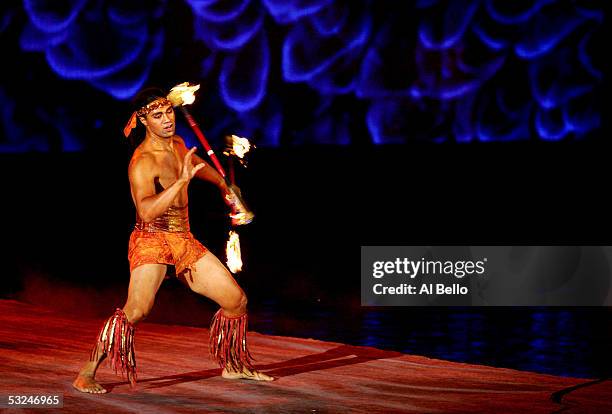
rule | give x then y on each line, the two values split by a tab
182	94
232	251
240	146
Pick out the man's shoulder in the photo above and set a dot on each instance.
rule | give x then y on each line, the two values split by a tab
178	140
141	159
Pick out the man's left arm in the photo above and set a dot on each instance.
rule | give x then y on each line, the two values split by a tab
210	174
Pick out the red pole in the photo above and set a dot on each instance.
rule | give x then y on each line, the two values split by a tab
194	125
232	175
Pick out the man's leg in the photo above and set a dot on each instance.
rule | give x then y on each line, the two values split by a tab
210	278
144	284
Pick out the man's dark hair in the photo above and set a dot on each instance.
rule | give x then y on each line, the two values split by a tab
142	98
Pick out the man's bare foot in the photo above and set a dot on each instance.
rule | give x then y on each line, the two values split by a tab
246	374
86	383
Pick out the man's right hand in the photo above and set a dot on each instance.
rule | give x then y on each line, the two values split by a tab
188	170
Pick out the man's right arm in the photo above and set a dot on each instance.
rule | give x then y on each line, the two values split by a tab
148	204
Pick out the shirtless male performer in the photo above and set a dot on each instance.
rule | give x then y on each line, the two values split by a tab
160	171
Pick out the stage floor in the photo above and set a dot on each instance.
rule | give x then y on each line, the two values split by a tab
41	350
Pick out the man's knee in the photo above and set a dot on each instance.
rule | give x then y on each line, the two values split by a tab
137	312
243	300
238	304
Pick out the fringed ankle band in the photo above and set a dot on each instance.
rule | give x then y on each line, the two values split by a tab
117	340
228	341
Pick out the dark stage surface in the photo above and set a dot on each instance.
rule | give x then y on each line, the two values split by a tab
42	350
570	342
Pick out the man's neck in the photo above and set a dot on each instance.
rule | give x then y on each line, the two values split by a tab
164	144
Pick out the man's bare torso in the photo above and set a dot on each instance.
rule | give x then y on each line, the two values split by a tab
165	166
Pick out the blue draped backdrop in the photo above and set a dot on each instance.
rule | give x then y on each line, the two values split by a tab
301	72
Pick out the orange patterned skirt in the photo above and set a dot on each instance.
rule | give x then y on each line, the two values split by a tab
180	249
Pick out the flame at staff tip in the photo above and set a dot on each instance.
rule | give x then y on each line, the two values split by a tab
240	146
232	251
182	94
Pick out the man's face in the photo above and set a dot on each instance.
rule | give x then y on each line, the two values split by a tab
160	122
